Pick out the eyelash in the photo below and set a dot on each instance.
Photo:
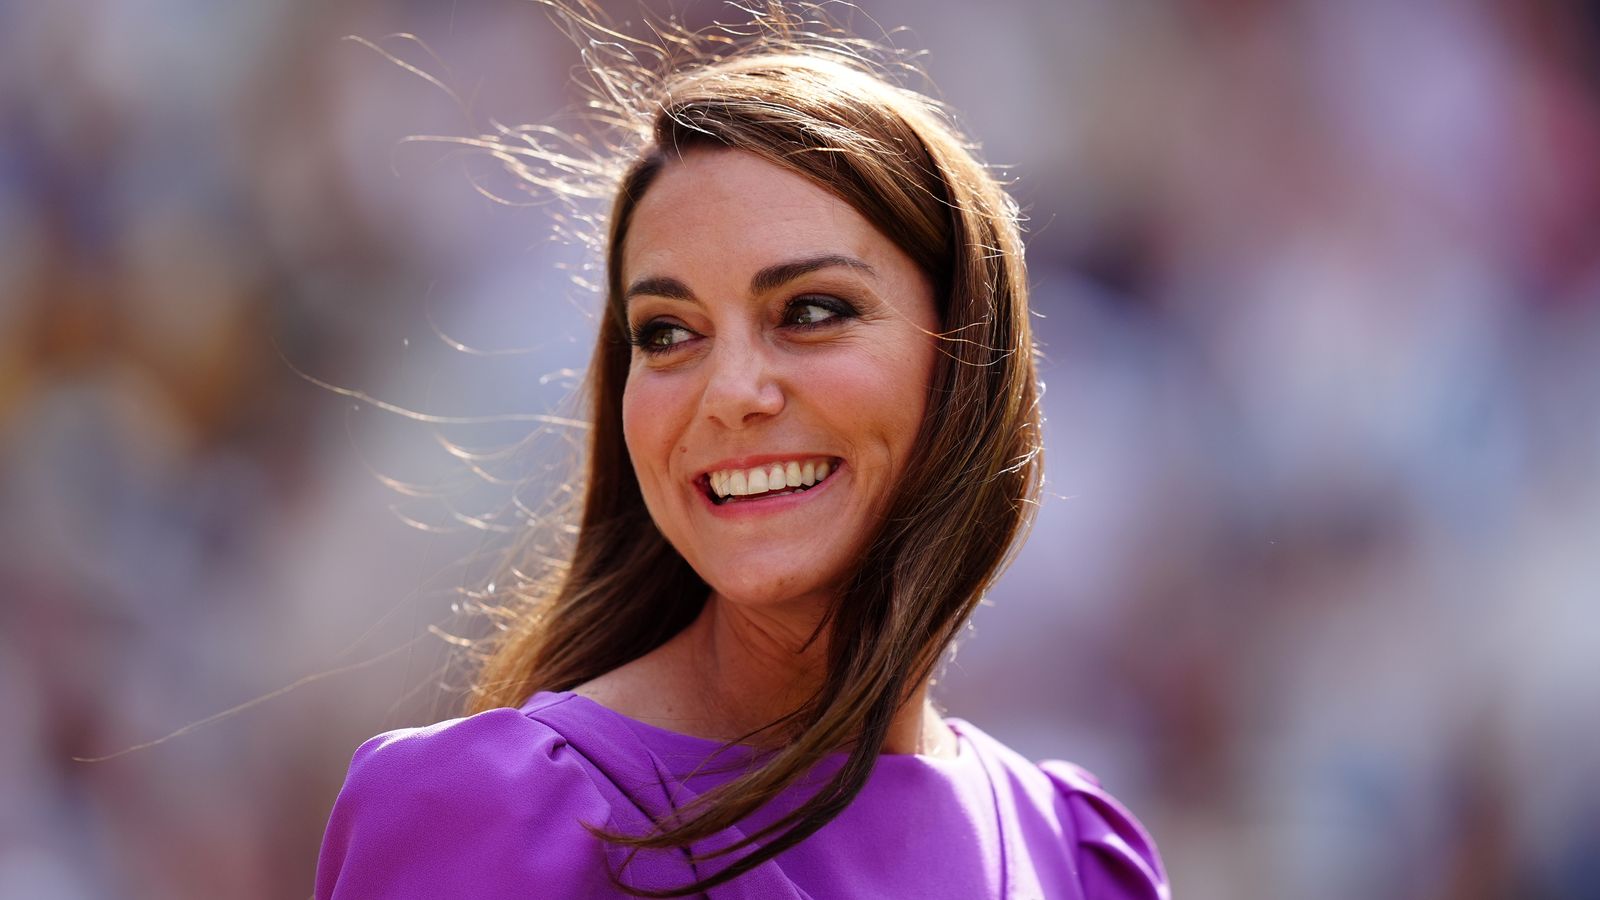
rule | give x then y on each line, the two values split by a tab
643	336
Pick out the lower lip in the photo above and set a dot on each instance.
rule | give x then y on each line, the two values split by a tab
735	509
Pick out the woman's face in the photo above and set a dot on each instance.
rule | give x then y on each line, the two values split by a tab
782	353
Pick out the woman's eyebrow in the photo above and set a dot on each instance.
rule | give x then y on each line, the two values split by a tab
770	278
775	276
658	286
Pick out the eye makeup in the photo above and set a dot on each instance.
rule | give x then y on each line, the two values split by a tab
659	336
804	313
837	311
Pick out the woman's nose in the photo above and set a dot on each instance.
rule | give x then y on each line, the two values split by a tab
741	386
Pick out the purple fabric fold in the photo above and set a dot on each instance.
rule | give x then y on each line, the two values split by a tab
495	805
1119	859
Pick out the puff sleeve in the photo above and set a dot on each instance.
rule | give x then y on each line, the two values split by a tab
1117	860
486	806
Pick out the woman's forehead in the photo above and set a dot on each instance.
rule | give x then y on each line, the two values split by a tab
729	209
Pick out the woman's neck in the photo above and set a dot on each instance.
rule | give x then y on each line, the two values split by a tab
734	670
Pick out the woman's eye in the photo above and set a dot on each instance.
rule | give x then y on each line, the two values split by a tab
807	311
659	337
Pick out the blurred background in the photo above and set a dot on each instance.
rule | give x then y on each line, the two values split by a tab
1317	588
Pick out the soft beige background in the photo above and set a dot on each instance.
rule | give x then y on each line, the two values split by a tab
1319	286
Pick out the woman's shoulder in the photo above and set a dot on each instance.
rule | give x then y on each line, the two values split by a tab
474	759
486	805
1055	800
458	756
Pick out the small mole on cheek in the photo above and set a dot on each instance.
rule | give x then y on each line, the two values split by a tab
683	449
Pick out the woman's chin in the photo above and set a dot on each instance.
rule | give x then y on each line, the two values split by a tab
760	572
800	592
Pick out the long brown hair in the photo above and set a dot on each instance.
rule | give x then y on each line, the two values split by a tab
807	99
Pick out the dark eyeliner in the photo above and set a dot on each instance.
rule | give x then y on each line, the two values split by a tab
642	336
841	310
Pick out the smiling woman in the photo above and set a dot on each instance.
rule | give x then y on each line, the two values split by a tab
777	329
814	443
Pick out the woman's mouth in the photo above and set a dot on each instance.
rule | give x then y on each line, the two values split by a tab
767	480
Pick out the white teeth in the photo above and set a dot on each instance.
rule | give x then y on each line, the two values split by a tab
770	477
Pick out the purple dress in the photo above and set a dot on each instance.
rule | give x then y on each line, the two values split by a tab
493	806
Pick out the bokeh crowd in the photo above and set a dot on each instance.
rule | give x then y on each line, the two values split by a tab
1316	585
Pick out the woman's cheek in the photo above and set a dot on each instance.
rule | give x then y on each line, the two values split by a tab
646	425
886	392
